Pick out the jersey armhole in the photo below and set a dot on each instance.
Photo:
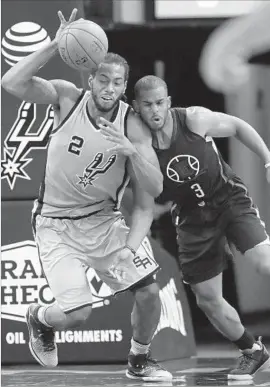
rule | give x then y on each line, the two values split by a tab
74	107
126	120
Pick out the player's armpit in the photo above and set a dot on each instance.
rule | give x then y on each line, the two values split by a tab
66	90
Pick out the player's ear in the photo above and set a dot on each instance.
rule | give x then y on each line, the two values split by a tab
135	106
169	101
125	87
90	80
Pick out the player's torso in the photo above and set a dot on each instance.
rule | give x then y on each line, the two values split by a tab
192	167
82	175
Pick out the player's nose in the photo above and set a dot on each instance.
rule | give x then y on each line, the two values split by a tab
155	108
110	88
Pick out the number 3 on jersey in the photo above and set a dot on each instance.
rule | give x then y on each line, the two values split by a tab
198	190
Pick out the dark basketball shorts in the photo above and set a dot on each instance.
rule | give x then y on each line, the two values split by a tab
204	232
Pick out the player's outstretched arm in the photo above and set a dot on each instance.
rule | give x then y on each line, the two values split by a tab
207	123
142	212
20	80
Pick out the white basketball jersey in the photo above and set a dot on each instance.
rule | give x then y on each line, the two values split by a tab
82	175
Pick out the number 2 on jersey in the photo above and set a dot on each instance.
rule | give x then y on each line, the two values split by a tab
76	145
198	190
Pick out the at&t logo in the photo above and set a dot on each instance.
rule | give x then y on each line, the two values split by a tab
21	40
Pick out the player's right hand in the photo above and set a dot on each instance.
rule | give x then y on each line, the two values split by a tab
64	23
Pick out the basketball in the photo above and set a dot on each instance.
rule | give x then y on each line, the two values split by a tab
83	45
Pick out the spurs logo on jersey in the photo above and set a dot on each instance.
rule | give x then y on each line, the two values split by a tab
94	169
182	168
21	140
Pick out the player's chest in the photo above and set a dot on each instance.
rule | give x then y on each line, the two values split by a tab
185	156
72	152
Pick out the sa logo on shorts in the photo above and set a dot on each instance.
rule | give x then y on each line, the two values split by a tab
147	259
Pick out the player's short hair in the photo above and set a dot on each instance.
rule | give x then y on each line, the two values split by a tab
147	83
112	58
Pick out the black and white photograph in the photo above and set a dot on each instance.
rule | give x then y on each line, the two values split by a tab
135	187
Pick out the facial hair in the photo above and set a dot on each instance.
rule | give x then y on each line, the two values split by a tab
101	108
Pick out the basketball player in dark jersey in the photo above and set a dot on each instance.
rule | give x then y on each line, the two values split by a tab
96	146
224	58
211	204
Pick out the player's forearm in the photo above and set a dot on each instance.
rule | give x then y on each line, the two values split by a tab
140	223
150	178
24	70
248	136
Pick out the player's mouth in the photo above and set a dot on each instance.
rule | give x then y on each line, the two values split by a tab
157	119
106	98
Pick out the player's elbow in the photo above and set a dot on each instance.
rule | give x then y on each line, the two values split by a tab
6	83
9	83
154	190
158	188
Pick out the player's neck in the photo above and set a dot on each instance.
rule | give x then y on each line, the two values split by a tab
162	139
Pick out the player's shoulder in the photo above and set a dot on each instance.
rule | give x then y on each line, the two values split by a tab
137	131
198	117
194	112
66	89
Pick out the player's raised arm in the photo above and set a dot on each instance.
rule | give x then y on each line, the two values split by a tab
21	81
208	123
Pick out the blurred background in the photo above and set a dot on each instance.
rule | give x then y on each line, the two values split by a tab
164	38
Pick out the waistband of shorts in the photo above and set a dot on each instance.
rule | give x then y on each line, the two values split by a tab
72	217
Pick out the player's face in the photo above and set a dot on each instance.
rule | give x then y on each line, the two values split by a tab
108	86
153	106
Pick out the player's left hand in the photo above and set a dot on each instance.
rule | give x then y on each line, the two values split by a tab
268	174
113	134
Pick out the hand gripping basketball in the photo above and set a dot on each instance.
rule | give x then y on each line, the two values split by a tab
64	23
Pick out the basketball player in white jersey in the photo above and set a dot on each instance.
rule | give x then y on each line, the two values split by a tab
97	146
224	59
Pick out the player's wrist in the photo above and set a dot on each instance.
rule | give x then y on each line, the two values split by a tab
132	150
130	248
54	44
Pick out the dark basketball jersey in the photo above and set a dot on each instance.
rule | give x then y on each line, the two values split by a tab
82	174
192	167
